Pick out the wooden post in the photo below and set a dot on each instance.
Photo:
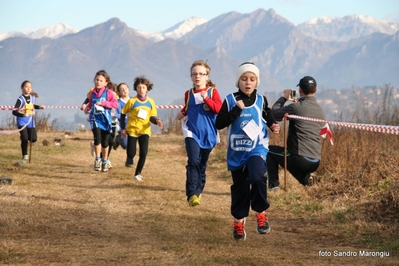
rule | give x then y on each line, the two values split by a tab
30	138
285	153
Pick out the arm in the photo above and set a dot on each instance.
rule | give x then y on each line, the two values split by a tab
267	113
156	121
88	106
268	116
122	124
122	121
111	101
182	113
84	104
225	117
279	110
16	107
39	106
118	111
214	103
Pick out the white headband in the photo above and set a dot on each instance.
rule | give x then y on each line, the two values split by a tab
247	67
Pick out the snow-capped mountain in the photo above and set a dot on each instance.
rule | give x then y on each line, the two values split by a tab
339	29
346	28
55	31
176	31
280	50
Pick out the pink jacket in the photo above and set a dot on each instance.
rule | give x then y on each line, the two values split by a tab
111	101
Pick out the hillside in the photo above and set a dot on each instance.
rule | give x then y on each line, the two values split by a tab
59	211
62	69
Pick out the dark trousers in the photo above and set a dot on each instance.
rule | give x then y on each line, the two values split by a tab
111	139
297	165
26	135
143	146
196	167
122	140
249	188
101	136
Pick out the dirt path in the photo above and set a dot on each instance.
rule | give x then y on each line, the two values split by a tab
59	211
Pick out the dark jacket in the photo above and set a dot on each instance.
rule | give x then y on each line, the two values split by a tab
303	136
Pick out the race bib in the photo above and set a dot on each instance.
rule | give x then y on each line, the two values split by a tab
252	130
28	109
198	98
98	109
142	114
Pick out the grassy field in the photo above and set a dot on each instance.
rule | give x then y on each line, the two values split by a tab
58	211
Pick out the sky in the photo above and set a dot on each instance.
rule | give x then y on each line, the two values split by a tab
159	15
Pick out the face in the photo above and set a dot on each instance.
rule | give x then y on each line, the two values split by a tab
247	83
123	91
141	90
27	89
199	76
100	82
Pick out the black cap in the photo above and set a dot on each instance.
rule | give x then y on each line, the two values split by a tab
306	81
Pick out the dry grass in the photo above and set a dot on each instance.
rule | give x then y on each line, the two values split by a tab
58	211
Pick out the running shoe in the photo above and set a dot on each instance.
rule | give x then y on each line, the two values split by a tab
105	166
138	178
97	165
129	162
239	230
263	223
193	201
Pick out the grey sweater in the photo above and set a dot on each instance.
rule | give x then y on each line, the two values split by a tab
303	136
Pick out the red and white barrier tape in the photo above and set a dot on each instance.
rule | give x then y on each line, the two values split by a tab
8	107
170	106
16	130
369	127
11	108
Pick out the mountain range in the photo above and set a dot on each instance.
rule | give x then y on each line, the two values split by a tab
346	28
363	52
55	31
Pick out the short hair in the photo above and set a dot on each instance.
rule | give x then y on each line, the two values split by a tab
142	80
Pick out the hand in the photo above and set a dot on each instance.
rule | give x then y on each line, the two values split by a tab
287	94
42	107
181	115
240	104
99	103
83	107
276	128
87	111
159	123
123	132
204	94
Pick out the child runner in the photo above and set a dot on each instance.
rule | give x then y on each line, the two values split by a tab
24	111
202	104
141	110
101	101
114	122
123	91
247	115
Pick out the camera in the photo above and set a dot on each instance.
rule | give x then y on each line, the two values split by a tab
293	94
